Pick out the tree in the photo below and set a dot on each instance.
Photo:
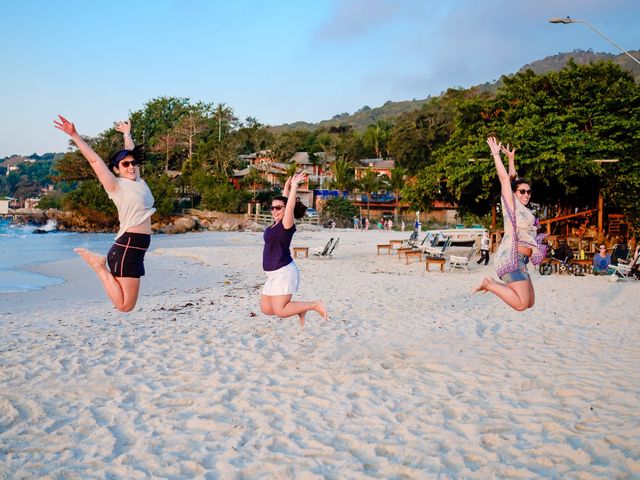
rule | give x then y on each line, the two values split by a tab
376	138
369	183
397	182
343	175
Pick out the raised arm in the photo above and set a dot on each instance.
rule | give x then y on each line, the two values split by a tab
288	220
511	156
287	186
125	129
107	179
503	175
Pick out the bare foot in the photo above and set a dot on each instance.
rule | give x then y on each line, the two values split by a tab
94	260
322	310
482	286
301	316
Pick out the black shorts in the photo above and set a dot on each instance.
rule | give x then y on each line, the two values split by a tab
126	256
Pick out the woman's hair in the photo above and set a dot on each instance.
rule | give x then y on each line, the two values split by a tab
280	198
517	181
138	154
299	208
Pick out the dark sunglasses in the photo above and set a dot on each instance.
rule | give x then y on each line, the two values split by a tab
522	191
126	163
277	207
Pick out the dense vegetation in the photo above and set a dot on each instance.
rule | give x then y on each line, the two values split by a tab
560	122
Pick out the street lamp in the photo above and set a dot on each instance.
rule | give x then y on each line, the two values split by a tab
573	20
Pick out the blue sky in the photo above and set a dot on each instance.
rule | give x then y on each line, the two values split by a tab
278	61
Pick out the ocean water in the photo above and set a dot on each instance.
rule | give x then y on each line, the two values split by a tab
20	248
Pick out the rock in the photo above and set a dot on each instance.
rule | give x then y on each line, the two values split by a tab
183	224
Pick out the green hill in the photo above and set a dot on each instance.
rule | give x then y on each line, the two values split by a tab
367	115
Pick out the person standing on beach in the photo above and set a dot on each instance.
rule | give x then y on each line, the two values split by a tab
282	273
520	242
484	248
134	201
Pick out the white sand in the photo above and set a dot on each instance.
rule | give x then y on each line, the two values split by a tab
410	378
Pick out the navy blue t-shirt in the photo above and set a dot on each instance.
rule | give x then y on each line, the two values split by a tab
277	241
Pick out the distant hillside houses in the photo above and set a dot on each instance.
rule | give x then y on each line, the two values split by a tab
317	166
12	163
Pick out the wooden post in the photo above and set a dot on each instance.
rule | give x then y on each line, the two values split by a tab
600	212
494	216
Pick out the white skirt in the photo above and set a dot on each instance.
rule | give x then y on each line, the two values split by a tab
284	281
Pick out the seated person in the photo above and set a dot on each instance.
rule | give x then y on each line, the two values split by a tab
601	260
635	264
563	252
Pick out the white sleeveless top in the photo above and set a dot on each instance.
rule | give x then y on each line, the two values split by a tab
134	202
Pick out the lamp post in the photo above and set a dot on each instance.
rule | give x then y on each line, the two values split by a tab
573	20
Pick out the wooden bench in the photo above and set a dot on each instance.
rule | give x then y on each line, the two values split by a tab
403	250
411	254
396	244
297	250
436	260
384	246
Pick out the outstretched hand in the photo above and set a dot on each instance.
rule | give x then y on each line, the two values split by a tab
508	151
124	127
65	125
494	145
297	178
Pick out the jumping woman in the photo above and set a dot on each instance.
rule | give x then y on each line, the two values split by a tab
282	273
134	201
520	243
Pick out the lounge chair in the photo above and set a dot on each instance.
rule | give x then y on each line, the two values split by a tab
437	251
324	252
625	271
411	242
456	261
333	247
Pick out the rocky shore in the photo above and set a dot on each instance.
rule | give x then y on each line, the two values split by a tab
190	221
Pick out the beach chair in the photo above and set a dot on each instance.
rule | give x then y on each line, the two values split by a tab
333	247
456	261
437	251
625	271
325	250
413	239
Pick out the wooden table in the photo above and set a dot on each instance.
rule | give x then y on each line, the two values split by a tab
412	254
403	250
384	246
395	244
297	250
437	260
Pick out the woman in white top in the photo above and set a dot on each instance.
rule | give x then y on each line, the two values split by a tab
520	242
134	201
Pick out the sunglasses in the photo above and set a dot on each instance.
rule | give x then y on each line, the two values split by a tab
522	191
126	163
277	207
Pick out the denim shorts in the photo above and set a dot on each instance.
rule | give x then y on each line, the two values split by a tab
522	273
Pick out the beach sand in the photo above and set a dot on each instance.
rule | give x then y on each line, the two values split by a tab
411	377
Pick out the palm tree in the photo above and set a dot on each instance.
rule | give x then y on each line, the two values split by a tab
343	175
369	183
223	114
396	183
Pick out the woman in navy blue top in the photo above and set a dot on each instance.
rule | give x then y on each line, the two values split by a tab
282	273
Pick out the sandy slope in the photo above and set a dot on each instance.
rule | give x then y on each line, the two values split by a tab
410	378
